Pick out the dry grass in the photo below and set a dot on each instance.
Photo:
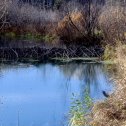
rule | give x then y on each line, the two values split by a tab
112	112
71	26
112	22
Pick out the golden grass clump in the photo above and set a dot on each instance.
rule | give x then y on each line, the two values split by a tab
71	26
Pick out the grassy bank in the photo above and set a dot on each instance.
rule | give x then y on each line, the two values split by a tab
112	112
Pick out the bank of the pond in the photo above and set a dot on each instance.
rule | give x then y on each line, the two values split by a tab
112	111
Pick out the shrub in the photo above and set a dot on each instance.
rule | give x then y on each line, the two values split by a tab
4	4
112	22
28	18
79	22
71	26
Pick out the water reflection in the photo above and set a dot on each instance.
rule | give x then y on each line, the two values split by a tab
42	94
92	77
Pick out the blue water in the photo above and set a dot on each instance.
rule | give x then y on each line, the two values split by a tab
41	95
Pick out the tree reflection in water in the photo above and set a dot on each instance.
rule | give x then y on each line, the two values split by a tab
93	77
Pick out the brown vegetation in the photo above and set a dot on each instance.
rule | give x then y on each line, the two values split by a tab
112	112
112	22
29	19
73	22
71	26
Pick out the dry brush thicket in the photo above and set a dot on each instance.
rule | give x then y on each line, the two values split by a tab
71	17
73	20
27	18
112	22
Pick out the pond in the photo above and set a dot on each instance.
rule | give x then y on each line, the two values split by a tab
40	95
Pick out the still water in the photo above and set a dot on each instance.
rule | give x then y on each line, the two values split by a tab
41	95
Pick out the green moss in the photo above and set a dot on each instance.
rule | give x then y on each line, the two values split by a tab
11	35
37	37
48	38
109	53
98	32
29	36
33	37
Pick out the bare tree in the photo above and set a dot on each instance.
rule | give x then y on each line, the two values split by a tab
4	12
